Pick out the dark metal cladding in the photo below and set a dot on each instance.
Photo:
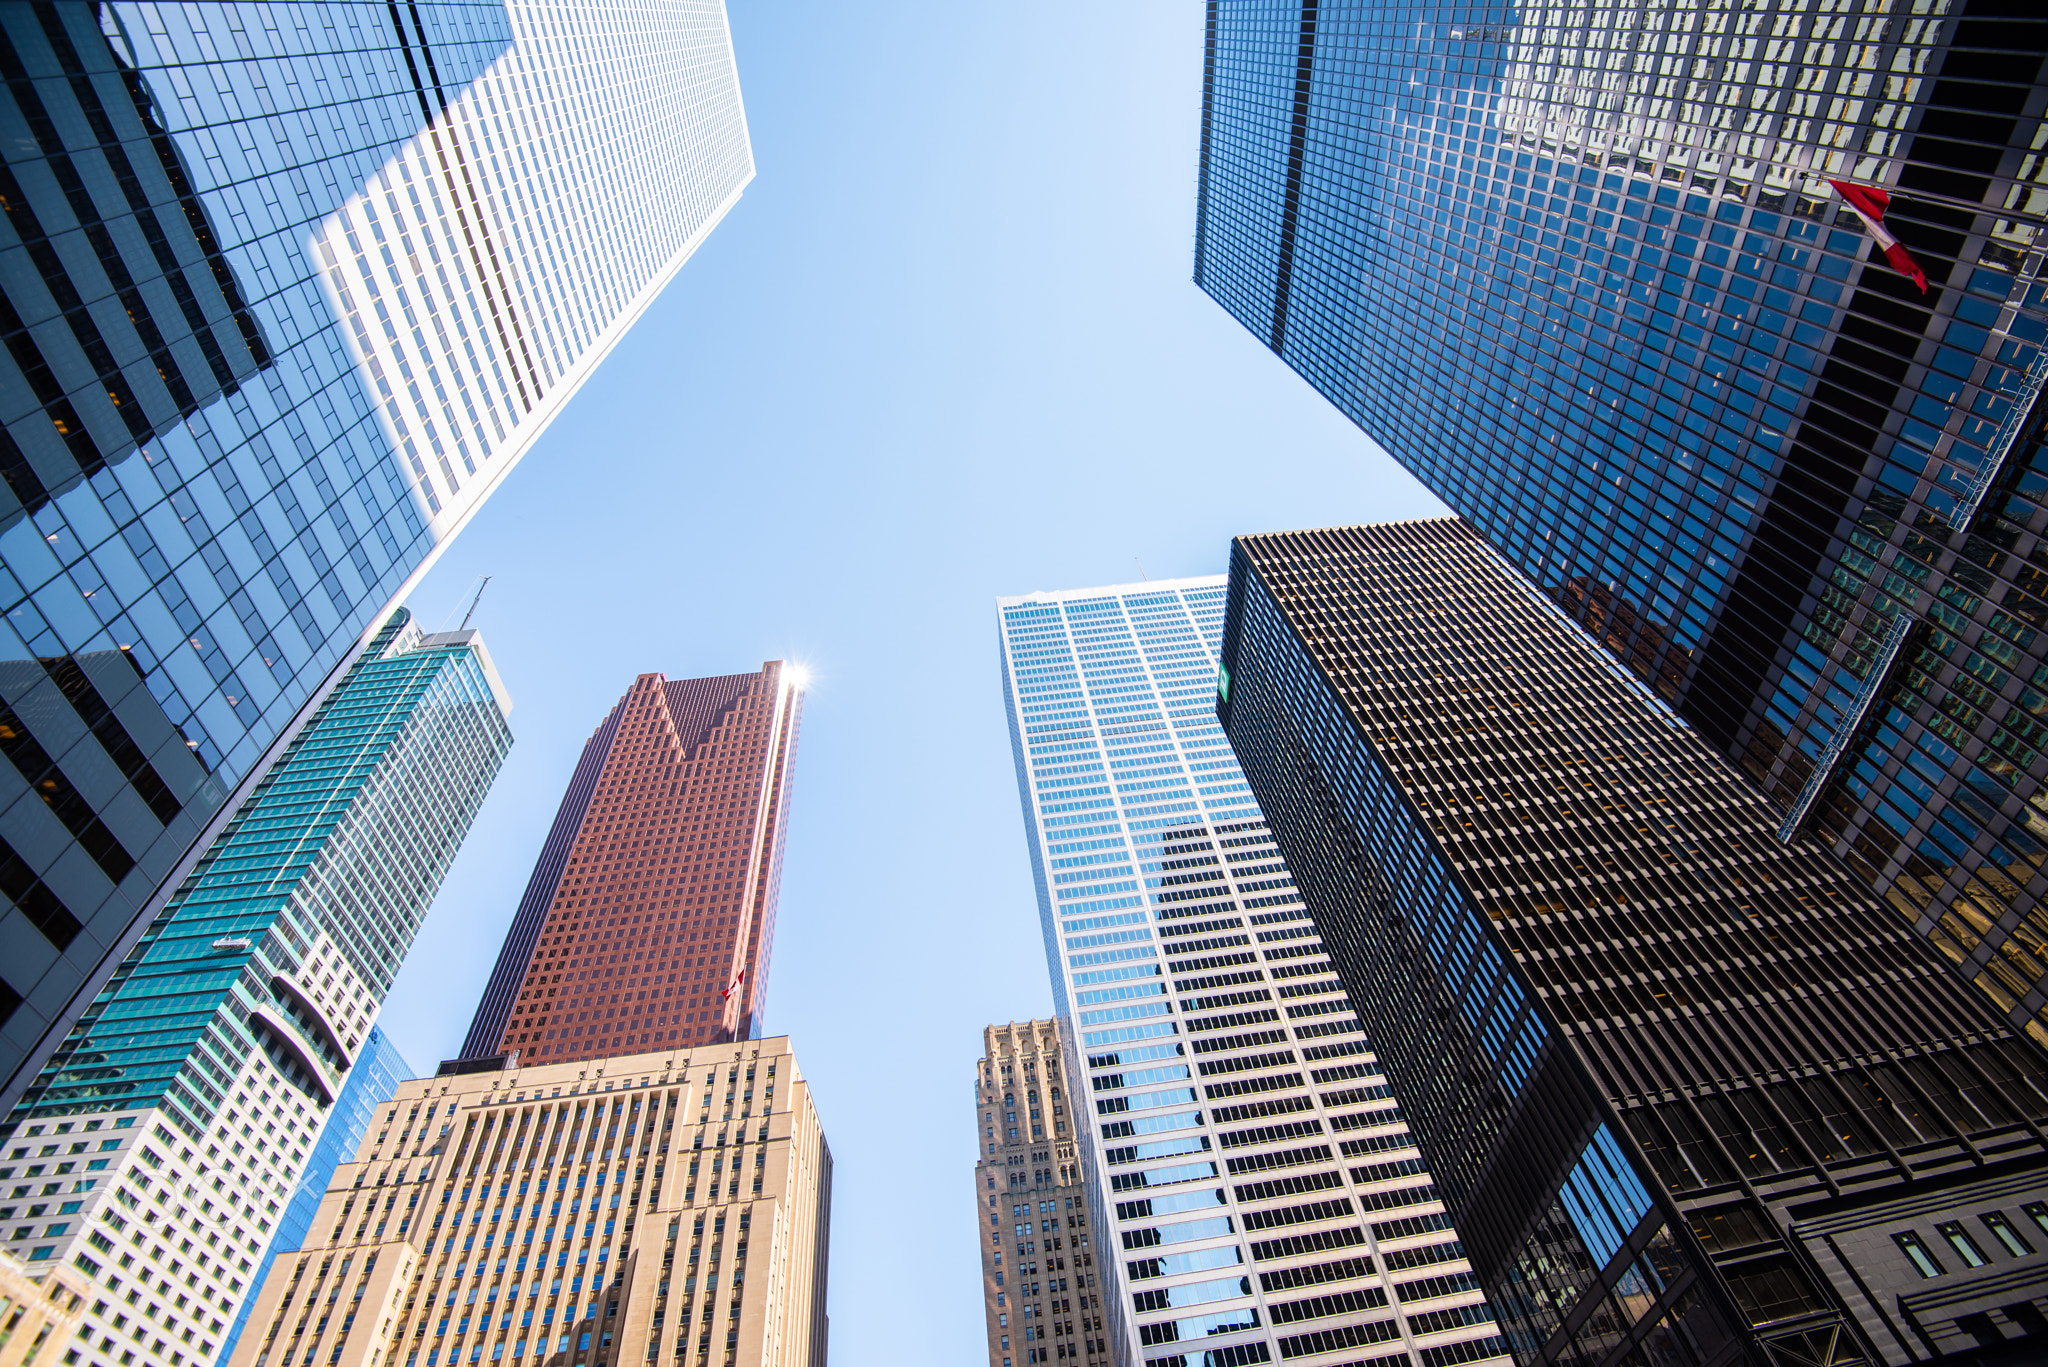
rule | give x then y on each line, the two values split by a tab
1689	1091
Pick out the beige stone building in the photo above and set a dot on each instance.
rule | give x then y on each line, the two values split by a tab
1038	1268
39	1316
670	1209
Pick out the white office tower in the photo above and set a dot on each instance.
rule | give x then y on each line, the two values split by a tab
1261	1198
484	272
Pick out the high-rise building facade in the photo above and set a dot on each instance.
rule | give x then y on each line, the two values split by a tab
626	1225
1042	1296
287	292
1581	269
38	1315
157	1150
372	1080
1257	1194
1690	1094
649	920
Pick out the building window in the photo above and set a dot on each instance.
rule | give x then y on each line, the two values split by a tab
1917	1252
2006	1233
1965	1247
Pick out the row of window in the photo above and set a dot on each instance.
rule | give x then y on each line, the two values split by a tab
2000	1231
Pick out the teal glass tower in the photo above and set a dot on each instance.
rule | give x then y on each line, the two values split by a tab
1585	270
202	1074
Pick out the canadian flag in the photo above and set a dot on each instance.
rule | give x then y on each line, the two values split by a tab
733	985
1869	202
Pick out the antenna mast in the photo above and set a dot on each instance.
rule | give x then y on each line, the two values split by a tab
473	602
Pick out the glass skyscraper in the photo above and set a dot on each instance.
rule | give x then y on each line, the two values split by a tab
372	1081
1581	269
289	288
164	1139
1692	1096
1256	1194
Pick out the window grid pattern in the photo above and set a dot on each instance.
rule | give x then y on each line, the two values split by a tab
371	1082
1579	268
548	1211
1024	1102
538	174
1227	1077
1457	769
343	843
198	1079
241	550
649	918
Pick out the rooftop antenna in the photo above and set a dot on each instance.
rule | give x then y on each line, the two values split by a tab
473	602
1141	569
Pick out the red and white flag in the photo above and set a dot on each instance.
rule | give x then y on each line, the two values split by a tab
1869	202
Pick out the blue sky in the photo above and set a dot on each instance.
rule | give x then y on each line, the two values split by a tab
945	348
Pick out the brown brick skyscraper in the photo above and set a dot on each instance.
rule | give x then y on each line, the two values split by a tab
650	915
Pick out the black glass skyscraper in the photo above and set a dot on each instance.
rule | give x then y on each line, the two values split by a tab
1689	1094
1581	269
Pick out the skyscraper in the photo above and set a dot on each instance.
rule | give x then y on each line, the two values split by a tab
1258	1194
372	1080
649	920
288	292
631	1221
1582	269
1039	1286
161	1143
38	1315
1686	1090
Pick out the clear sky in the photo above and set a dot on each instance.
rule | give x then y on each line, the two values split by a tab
946	347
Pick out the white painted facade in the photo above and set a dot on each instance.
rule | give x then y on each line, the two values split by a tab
169	1229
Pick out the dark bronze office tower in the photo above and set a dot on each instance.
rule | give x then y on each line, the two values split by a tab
1691	1095
1611	278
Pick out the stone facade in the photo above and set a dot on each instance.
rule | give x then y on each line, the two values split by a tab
591	1213
1038	1276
